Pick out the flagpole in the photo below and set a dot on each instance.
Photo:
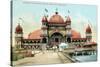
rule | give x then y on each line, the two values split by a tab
46	10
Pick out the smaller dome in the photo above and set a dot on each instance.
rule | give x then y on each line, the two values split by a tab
68	20
88	29
44	19
19	29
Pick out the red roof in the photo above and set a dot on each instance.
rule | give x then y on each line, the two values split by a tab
37	34
44	19
19	29
88	29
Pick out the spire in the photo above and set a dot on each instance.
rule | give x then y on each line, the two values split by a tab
18	29
68	19
88	29
44	19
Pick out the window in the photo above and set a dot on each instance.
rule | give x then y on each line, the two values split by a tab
69	40
44	40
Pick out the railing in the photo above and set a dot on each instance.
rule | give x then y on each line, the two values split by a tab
32	44
82	49
78	50
70	58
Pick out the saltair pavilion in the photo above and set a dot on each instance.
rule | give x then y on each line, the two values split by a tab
54	31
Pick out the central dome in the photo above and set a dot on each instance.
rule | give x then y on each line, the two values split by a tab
56	19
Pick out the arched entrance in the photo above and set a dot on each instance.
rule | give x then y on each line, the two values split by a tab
56	38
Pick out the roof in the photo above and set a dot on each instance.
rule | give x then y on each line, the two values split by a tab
88	29
37	34
75	34
18	29
56	19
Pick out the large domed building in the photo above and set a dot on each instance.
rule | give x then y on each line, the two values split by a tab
52	32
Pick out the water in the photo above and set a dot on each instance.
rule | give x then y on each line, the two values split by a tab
86	58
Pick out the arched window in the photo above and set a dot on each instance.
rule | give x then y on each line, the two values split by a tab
34	41
69	40
44	40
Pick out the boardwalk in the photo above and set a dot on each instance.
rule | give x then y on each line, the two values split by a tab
49	57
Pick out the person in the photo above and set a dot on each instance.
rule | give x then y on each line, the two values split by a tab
54	48
43	48
33	53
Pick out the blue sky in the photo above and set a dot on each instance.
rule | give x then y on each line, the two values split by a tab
31	14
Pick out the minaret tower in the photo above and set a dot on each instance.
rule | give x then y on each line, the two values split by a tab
18	36
44	29
68	28
88	34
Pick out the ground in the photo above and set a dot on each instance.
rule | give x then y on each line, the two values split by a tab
48	57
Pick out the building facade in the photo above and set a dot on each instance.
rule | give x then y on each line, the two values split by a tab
53	32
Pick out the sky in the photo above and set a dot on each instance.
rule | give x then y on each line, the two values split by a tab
31	14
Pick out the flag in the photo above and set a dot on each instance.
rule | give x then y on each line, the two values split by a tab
68	11
46	10
20	18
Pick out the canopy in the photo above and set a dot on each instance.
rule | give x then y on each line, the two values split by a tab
62	46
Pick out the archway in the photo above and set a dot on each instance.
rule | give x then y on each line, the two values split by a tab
56	38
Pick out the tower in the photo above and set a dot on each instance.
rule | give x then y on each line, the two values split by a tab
68	29
44	29
88	34
18	36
